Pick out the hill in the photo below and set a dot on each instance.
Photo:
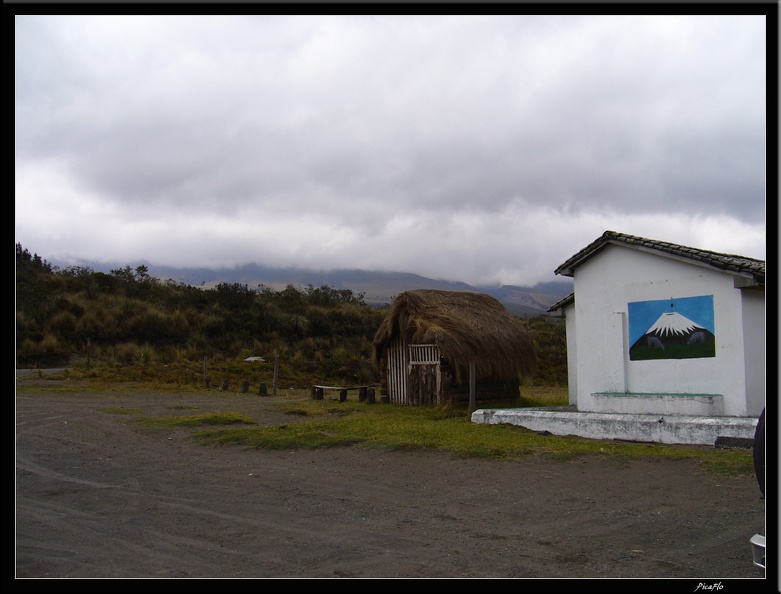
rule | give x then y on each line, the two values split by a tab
378	287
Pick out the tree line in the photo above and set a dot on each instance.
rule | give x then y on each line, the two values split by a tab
75	316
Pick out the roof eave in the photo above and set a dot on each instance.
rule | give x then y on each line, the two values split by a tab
562	303
749	281
635	243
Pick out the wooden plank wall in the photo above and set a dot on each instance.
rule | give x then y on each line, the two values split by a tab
424	365
397	371
401	357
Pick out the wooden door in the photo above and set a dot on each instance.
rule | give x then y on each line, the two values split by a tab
424	380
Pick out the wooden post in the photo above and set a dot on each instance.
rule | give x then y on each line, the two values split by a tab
317	393
342	395
370	395
276	371
362	394
245	387
205	374
263	390
472	398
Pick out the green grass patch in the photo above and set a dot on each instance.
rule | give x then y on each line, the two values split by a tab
729	463
85	387
209	419
279	437
532	396
446	429
329	423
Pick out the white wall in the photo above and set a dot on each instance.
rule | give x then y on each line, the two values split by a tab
755	351
607	282
572	354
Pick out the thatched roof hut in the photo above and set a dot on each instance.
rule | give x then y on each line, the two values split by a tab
463	327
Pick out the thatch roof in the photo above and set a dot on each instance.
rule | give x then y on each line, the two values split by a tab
466	327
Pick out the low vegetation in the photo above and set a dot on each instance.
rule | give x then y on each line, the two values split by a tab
129	326
329	423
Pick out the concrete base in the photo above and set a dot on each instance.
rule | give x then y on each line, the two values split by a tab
695	405
672	429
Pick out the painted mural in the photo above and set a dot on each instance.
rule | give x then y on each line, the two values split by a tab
679	328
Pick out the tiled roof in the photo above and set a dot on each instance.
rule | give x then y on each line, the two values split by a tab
562	303
740	265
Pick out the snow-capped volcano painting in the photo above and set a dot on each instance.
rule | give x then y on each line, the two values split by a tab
673	323
679	328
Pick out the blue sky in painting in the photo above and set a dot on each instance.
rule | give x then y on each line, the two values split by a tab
642	314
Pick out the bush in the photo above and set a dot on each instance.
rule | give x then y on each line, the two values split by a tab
319	334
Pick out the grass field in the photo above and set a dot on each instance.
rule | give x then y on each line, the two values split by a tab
330	423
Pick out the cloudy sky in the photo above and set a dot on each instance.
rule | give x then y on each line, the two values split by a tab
482	149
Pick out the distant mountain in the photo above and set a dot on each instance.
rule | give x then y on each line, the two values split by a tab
379	288
529	300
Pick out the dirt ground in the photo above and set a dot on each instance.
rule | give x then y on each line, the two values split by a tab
98	498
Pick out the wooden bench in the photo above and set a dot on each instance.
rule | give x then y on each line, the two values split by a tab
364	392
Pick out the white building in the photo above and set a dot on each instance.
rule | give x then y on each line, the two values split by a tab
664	343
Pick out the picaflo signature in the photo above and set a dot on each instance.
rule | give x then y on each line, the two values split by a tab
712	587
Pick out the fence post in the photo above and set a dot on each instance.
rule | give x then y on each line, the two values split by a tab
472	398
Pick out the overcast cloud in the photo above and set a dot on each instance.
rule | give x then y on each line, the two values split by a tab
483	149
